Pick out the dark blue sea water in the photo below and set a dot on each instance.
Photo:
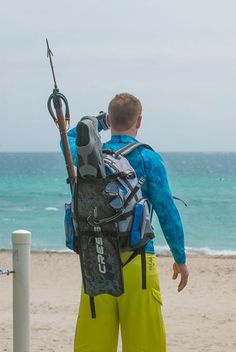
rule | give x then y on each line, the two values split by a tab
33	192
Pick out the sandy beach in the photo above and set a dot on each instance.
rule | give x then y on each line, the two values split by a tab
202	318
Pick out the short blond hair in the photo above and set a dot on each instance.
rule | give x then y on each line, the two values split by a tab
124	109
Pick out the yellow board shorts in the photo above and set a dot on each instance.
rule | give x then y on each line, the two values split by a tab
137	312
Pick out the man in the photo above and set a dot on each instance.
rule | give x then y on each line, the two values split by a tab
137	311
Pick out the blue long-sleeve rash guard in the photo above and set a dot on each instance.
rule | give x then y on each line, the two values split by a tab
156	189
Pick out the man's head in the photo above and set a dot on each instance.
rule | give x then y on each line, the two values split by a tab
124	114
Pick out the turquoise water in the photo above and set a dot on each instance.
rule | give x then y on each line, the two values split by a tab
33	192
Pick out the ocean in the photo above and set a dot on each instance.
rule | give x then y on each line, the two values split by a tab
33	191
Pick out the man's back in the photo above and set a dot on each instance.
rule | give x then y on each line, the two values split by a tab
150	165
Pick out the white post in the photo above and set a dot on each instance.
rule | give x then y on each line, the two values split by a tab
21	241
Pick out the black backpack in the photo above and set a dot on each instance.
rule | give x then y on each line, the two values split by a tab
108	213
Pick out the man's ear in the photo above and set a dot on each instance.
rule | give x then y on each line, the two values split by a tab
138	122
108	121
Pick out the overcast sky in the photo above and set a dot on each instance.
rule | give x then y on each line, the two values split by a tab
177	56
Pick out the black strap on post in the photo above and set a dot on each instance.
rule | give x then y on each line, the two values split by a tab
6	272
92	307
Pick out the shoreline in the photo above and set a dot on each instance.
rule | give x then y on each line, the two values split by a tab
159	255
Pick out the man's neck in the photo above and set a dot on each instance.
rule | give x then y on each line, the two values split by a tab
131	132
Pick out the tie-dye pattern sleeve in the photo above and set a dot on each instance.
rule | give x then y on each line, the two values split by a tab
72	141
162	201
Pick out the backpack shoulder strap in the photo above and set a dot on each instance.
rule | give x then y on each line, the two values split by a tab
130	147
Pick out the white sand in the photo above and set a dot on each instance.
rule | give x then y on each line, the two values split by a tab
201	318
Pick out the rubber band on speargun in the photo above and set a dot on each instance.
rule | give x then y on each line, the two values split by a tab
56	98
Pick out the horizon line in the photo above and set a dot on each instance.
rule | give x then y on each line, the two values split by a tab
159	151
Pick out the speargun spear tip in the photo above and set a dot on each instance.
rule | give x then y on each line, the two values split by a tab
49	52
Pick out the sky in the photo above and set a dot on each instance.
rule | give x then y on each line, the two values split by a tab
177	56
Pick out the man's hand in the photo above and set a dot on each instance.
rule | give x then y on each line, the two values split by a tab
102	118
183	271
